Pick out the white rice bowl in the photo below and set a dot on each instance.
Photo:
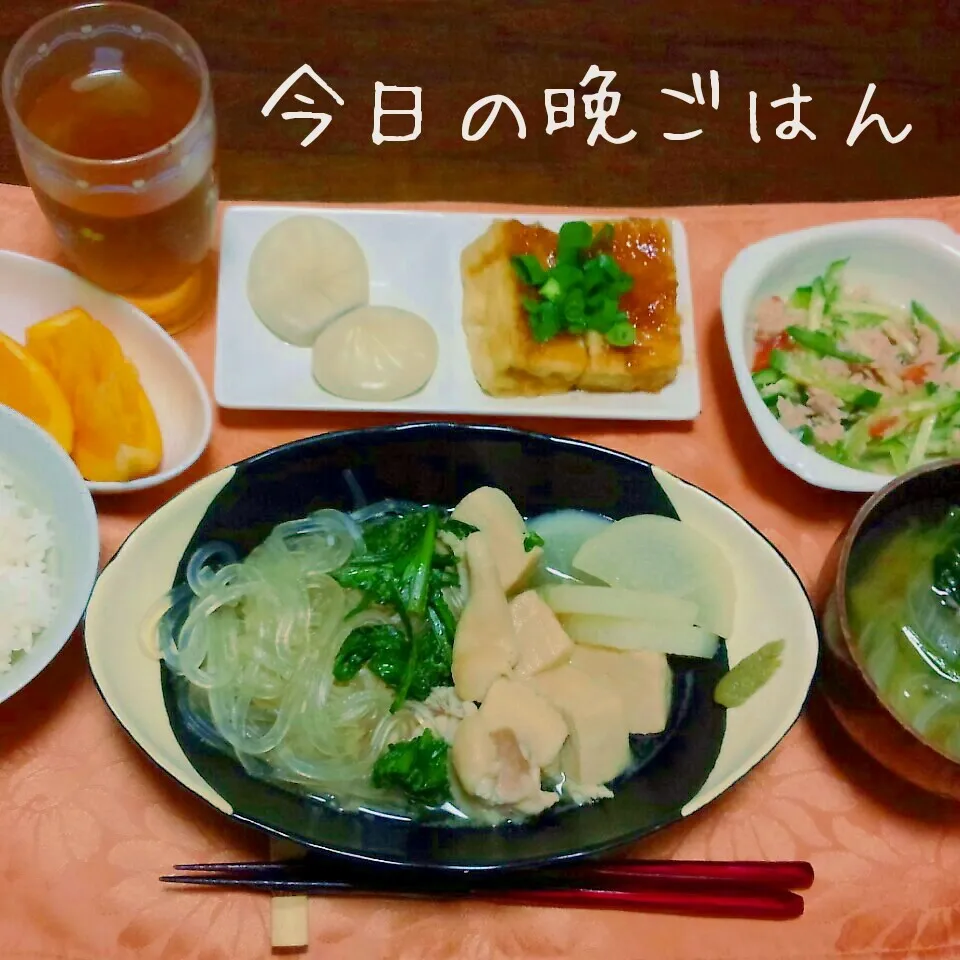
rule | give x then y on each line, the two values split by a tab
28	586
49	550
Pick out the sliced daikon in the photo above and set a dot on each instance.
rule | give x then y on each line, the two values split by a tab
375	353
305	272
622	633
660	555
619	602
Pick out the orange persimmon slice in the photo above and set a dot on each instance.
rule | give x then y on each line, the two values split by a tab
28	387
117	437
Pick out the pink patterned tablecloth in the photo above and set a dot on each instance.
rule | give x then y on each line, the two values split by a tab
89	823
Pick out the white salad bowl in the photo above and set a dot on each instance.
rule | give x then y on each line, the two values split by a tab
899	260
36	289
47	480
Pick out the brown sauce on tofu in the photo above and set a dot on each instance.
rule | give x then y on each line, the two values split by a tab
643	248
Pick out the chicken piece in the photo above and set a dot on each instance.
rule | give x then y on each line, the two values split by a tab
825	404
484	647
541	641
792	415
597	749
492	512
442	711
640	678
828	431
490	766
498	752
540	729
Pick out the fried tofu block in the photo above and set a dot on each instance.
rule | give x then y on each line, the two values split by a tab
506	359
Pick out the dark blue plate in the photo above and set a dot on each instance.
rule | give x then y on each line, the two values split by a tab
440	463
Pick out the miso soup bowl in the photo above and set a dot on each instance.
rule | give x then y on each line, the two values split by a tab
854	699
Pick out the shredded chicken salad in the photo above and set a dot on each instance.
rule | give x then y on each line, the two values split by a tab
868	384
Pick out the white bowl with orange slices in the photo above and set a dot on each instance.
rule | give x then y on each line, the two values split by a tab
112	388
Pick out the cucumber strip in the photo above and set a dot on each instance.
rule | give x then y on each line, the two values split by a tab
921	315
824	345
784	387
833	451
763	378
919	450
867	400
866	308
800	298
831	282
858	436
898	456
818	301
805	368
778	361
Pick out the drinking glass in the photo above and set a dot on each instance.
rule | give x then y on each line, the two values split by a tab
112	115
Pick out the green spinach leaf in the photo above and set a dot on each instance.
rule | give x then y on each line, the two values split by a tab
417	768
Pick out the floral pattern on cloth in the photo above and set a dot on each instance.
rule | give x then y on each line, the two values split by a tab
91	823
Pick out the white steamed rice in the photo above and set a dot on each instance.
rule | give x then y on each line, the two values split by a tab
28	587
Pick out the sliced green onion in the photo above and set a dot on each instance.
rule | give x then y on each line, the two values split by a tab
551	290
604	237
622	334
574	235
581	291
529	269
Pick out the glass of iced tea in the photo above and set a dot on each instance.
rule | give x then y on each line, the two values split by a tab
112	114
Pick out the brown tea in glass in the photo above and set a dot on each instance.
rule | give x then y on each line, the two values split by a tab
111	109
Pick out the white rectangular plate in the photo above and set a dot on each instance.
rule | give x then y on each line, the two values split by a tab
414	261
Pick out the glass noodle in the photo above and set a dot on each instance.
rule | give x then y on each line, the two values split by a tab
253	643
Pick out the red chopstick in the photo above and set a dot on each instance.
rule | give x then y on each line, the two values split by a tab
749	890
747	903
701	899
788	874
785	874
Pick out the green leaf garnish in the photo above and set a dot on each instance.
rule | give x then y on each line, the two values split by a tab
403	567
417	768
532	540
458	528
